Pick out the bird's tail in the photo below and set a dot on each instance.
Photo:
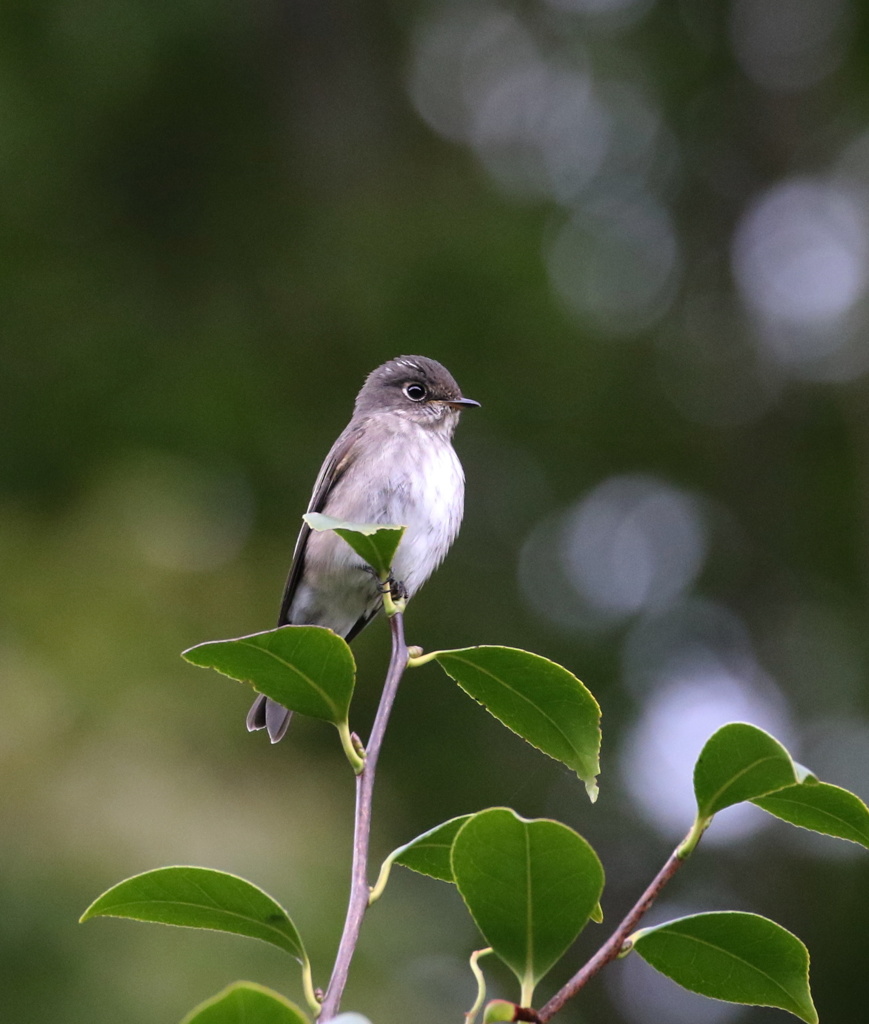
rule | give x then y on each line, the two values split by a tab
266	713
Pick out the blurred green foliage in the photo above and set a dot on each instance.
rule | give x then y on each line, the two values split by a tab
216	220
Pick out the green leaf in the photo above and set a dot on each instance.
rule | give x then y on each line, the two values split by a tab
822	808
308	669
739	762
201	898
804	774
243	1003
431	853
740	958
375	543
536	698
529	885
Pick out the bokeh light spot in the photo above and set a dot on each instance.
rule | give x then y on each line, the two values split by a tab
680	714
800	253
633	544
616	264
788	45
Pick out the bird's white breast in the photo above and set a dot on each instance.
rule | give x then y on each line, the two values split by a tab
433	515
412	478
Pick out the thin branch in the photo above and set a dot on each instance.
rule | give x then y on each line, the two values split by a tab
615	943
362	827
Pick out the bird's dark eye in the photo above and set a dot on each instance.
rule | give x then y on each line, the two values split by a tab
415	392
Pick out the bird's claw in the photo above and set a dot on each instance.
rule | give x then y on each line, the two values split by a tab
394	594
395	588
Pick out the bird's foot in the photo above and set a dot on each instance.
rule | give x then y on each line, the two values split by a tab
395	588
394	594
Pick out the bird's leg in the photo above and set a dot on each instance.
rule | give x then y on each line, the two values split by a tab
394	594
395	588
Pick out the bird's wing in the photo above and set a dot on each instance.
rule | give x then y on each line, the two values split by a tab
362	622
341	456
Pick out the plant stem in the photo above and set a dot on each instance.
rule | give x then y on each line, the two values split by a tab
362	826
615	943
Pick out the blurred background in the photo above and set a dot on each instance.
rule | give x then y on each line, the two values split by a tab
638	233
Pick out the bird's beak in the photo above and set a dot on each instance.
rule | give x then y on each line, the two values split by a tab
463	403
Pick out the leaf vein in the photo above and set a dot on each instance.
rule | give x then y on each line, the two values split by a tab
302	675
743	771
234	914
527	700
737	959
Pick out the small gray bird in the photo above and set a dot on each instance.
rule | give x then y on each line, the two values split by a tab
393	463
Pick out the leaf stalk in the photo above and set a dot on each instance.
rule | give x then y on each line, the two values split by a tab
308	986
422	659
471	1015
357	763
688	844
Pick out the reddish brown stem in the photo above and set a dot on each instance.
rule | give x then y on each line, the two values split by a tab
615	943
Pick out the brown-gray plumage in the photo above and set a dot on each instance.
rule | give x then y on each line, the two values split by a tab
393	463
